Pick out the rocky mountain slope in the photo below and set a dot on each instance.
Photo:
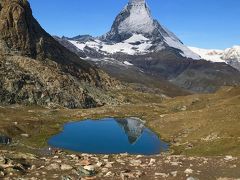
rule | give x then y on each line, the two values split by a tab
138	43
36	69
229	56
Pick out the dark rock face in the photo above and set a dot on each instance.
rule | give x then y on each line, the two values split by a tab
64	42
36	69
196	76
234	63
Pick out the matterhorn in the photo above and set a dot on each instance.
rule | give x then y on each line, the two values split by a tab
139	49
134	32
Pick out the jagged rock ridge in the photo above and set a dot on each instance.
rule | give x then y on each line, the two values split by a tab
36	69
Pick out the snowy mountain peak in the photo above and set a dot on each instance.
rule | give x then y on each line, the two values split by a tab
137	2
135	32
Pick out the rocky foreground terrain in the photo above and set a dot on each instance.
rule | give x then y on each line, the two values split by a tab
67	166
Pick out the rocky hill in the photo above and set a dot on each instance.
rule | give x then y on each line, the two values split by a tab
36	69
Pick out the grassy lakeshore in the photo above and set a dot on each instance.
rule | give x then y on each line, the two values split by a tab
196	125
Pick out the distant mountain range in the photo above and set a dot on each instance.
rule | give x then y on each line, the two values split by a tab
230	56
139	46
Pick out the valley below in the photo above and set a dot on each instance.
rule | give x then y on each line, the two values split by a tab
198	149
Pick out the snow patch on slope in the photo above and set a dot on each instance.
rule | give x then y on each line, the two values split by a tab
137	44
213	55
186	52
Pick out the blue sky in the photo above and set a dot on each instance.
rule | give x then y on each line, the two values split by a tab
199	23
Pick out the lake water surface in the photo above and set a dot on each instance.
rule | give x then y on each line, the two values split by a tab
109	136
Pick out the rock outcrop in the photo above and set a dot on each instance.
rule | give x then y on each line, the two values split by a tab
36	69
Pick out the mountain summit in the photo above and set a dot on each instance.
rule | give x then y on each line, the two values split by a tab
134	32
136	22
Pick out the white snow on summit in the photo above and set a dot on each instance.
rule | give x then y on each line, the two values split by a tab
139	21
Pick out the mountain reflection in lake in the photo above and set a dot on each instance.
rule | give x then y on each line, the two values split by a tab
109	136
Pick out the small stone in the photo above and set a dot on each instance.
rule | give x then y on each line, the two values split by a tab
163	175
152	161
109	165
104	170
228	158
74	157
174	173
188	171
25	135
192	178
136	162
66	178
2	174
99	164
53	166
109	174
85	162
175	163
105	156
85	172
2	160
89	168
33	167
66	167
